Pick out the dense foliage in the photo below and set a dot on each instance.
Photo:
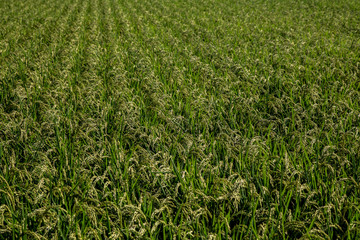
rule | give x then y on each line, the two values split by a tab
179	119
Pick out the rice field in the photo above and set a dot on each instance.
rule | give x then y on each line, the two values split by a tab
179	119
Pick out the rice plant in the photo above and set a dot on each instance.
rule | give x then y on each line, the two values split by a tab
179	119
